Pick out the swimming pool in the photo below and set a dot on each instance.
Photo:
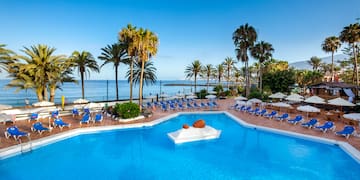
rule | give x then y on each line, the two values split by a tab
147	153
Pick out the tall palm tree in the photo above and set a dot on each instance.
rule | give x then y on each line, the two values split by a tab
331	44
219	69
116	54
229	65
37	69
351	35
315	62
149	73
127	36
85	62
193	70
5	58
244	37
147	45
262	51
207	71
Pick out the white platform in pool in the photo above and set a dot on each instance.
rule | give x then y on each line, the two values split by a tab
194	134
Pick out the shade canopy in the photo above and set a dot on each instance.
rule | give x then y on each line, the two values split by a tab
210	96
278	95
315	100
80	101
43	103
340	102
281	104
164	95
308	108
240	98
150	97
191	97
212	92
254	100
295	97
352	116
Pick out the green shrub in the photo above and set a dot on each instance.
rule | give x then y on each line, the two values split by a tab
127	110
201	94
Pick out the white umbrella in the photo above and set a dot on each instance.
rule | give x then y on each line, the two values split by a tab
315	100
190	94
240	98
164	95
150	97
191	97
340	102
210	96
278	95
281	104
180	95
295	97
307	109
352	116
81	101
93	105
4	106
254	100
241	102
43	103
212	92
5	117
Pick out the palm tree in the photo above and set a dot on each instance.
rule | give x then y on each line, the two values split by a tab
229	65
5	58
37	70
128	37
244	37
85	62
147	46
351	35
219	69
207	71
116	54
262	51
315	62
193	70
149	73
331	44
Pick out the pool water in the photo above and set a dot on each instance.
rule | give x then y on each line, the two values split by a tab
147	153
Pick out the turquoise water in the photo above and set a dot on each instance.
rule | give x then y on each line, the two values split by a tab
240	153
96	90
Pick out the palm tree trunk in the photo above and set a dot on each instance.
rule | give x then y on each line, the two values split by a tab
116	83
332	67
39	94
195	82
356	67
207	84
141	84
131	77
52	93
82	84
247	80
45	92
228	79
260	79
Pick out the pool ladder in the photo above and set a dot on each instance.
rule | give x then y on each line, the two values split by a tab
25	147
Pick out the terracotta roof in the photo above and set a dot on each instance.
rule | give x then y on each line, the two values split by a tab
333	85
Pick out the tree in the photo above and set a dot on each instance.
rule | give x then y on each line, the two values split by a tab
147	46
229	65
219	70
5	57
262	51
149	73
331	44
85	62
207	71
244	37
128	37
279	81
38	69
351	35
193	70
116	54
315	62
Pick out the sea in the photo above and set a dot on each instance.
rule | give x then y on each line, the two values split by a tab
100	90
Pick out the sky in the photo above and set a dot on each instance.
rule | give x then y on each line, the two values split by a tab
188	30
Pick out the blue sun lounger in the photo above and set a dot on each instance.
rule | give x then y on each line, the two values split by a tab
261	113
98	118
38	127
282	117
347	131
310	123
328	125
75	112
15	132
60	123
34	117
297	119
85	119
270	115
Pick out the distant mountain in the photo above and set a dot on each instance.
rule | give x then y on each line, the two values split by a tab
327	60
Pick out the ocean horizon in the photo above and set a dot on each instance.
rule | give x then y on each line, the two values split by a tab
99	90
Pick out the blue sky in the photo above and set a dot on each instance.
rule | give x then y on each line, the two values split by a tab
187	29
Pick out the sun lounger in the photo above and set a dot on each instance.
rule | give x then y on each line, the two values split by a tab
328	125
34	117
164	107
347	131
261	113
55	114
38	127
196	106
310	123
60	123
15	132
172	106
235	106
85	119
98	118
282	117
180	106
251	111
270	115
203	105
75	112
86	111
297	119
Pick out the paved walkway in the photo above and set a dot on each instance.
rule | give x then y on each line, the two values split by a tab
224	106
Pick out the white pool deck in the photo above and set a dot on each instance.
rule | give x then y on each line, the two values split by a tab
34	144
